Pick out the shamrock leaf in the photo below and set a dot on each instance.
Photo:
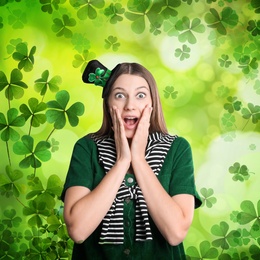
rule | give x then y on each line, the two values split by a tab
33	111
114	11
49	5
86	9
189	27
60	26
42	84
222	91
12	120
26	60
15	86
169	92
82	60
54	145
183	53
13	43
17	19
58	111
37	212
254	249
254	27
169	26
246	63
111	41
207	197
226	237
80	42
168	9
253	111
233	105
33	156
228	120
248	213
206	251
9	185
256	5
241	173
216	39
139	9
224	61
11	219
227	17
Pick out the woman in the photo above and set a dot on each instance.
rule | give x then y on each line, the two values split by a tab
130	190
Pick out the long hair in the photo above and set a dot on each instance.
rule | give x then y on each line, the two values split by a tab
157	122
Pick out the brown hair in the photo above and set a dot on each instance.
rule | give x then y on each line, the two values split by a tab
157	122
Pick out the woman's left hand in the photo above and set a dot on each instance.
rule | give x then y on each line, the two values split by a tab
139	140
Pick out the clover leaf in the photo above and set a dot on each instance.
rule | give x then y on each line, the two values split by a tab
32	111
169	92
226	237
114	11
254	27
254	249
38	211
207	197
9	182
49	5
139	10
240	172
60	26
224	61
249	213
228	120
246	64
183	53
11	219
80	42
14	87
256	5
233	105
58	111
11	47
111	41
253	111
168	9
7	124
17	19
206	251
189	27
33	155
26	60
82	60
222	91
42	84
87	9
169	26
227	17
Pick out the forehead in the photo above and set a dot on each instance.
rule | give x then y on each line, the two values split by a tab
129	81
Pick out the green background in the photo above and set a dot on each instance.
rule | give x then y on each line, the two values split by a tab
204	56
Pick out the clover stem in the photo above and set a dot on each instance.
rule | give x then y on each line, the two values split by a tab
20	201
245	125
8	153
50	134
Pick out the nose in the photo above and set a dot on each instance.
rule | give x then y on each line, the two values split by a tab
129	104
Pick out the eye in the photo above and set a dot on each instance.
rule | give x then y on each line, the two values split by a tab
141	95
119	95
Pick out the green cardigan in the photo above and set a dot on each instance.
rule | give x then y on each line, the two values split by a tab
176	176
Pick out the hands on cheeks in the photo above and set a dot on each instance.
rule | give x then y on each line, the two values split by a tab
139	140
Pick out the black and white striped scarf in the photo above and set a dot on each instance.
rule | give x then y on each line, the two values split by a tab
113	225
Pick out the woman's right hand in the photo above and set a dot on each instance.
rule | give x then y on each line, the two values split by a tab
122	146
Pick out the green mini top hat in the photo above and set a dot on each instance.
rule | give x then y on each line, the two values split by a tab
97	74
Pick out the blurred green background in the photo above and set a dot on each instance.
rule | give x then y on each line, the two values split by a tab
204	56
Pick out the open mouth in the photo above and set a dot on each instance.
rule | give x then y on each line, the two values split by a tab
130	121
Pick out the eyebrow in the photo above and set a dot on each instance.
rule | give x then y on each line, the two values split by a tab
138	88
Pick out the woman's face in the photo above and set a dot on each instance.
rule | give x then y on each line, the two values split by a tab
130	94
